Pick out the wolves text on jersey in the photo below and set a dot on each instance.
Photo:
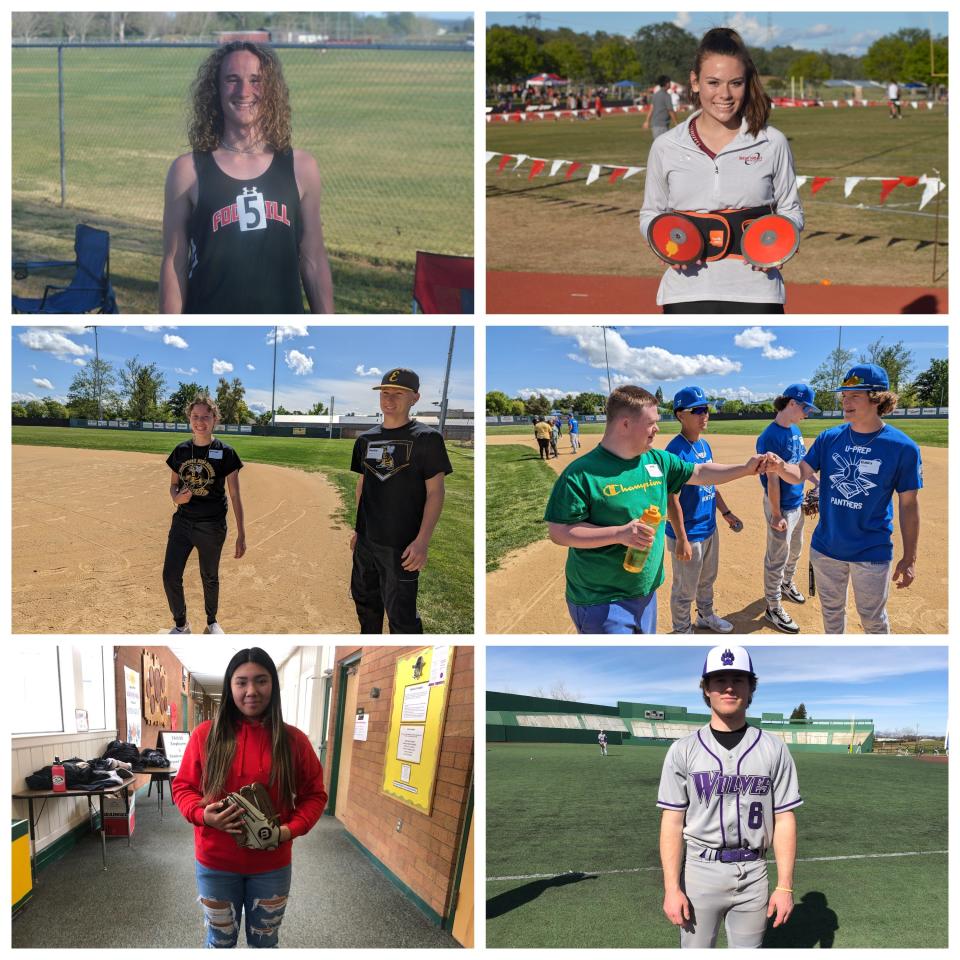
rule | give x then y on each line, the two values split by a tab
710	783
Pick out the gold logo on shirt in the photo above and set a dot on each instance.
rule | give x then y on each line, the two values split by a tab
615	489
198	475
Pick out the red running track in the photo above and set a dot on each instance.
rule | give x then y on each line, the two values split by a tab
510	292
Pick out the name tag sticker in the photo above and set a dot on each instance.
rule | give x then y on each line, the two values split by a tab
653	470
250	211
374	453
871	467
215	455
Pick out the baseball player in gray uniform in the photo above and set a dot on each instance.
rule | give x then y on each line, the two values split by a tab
728	792
602	740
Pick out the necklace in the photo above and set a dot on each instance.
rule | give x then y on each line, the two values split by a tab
700	454
254	151
863	443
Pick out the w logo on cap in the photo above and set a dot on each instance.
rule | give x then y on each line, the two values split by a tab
727	658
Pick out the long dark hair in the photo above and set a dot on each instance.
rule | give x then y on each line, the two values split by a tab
222	739
722	41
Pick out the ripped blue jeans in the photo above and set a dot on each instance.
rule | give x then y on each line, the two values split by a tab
260	897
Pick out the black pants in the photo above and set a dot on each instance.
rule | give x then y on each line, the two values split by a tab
208	537
722	306
544	444
379	583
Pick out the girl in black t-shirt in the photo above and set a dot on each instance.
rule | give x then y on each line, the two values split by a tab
202	470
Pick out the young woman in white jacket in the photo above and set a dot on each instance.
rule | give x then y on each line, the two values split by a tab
723	158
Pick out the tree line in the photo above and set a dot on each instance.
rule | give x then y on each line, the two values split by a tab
928	388
514	53
138	391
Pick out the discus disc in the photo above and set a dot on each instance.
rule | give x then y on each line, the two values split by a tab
769	240
675	238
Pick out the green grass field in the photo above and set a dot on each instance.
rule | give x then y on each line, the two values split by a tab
560	808
392	132
446	588
847	240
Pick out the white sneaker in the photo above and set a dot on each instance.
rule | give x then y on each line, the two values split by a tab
714	623
184	629
213	628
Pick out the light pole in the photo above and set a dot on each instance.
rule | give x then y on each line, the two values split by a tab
446	381
96	371
273	389
607	359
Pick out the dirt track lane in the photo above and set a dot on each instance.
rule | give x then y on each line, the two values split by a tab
526	594
89	535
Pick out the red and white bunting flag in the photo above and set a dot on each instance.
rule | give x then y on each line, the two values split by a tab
594	173
849	183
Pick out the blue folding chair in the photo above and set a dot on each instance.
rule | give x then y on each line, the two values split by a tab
89	291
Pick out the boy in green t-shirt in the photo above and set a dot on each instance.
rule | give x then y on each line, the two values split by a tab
594	507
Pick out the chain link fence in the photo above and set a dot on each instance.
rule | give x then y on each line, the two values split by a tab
390	126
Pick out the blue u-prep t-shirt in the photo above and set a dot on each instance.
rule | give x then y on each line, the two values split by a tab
859	473
786	443
698	503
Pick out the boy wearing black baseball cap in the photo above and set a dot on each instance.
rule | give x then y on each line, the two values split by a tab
399	494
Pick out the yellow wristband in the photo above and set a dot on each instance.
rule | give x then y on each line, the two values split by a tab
786	889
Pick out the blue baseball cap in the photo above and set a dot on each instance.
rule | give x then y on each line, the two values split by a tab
865	376
688	398
803	394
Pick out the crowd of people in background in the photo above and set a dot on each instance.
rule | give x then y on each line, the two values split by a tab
548	431
518	97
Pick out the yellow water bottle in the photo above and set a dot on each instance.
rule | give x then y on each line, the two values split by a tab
637	556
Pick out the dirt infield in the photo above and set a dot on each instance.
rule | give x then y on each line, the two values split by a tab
526	594
90	531
516	292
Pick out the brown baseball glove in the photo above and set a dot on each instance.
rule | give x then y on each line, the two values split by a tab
811	502
261	825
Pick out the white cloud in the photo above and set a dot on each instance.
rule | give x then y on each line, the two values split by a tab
576	358
258	408
756	338
221	367
53	341
642	364
79	362
311	347
682	19
751	29
43	382
186	373
288	333
17	397
819	30
171	340
551	393
250	366
367	372
32	366
738	393
298	362
156	329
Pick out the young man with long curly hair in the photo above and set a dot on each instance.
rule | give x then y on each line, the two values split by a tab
241	219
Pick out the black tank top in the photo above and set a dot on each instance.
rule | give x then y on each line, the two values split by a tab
245	241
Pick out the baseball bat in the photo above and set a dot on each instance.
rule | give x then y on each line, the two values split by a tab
811	580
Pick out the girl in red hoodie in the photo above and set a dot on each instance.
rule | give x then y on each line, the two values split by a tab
247	742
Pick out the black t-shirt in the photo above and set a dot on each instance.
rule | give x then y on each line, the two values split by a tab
204	470
395	465
728	739
245	241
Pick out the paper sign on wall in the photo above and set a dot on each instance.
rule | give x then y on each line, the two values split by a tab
360	727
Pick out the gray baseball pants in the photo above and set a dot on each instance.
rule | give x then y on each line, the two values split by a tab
693	579
871	587
735	893
783	553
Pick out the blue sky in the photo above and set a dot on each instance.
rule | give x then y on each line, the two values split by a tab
313	363
896	687
846	32
749	362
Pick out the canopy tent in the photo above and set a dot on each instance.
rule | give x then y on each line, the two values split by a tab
546	80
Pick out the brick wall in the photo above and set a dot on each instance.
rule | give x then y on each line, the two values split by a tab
424	853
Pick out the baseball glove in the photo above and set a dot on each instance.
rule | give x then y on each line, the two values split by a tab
811	502
261	825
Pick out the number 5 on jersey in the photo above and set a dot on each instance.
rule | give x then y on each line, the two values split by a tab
251	213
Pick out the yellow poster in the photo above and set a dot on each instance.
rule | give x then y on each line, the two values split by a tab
417	715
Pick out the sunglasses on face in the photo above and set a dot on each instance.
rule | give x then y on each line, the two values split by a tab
700	410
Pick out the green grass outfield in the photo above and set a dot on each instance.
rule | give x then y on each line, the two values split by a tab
392	132
446	588
557	808
857	230
926	432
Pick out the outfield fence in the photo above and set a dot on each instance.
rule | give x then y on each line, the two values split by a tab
906	413
97	125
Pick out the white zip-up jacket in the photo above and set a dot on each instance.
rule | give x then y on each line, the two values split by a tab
751	171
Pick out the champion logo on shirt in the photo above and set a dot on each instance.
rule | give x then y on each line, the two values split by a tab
751	158
272	209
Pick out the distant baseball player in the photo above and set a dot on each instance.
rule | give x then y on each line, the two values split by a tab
399	494
602	740
692	538
727	793
893	99
594	510
861	464
573	427
783	505
241	216
202	470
